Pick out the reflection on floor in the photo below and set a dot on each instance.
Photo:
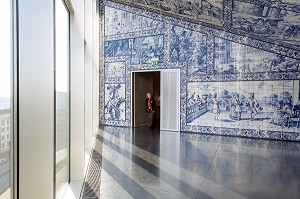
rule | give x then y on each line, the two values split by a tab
143	163
61	176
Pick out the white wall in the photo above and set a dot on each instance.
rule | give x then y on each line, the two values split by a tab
91	56
95	65
88	56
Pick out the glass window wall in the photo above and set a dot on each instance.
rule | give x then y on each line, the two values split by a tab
6	106
62	95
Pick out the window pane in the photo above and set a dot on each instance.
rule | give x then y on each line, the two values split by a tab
62	94
5	98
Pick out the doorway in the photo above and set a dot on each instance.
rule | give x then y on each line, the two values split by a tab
164	85
143	83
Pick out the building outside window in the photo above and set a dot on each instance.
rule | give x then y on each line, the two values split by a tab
6	99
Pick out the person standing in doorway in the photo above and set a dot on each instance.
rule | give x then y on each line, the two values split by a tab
150	105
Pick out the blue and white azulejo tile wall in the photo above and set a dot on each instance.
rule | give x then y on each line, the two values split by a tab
241	79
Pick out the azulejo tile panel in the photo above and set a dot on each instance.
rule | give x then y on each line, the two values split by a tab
128	22
275	21
189	46
230	84
114	102
115	69
266	20
117	48
259	105
145	49
205	11
235	58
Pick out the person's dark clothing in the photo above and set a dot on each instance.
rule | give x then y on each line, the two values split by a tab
150	105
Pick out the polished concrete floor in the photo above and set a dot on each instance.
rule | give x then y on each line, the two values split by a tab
148	163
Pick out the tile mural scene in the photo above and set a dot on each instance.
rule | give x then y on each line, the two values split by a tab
278	20
189	46
146	48
210	11
115	69
268	105
122	22
231	82
231	57
117	48
275	21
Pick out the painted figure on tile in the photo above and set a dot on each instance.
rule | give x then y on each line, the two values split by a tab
277	113
215	106
192	100
253	105
150	105
148	54
288	101
286	114
184	45
196	106
113	105
235	107
181	44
